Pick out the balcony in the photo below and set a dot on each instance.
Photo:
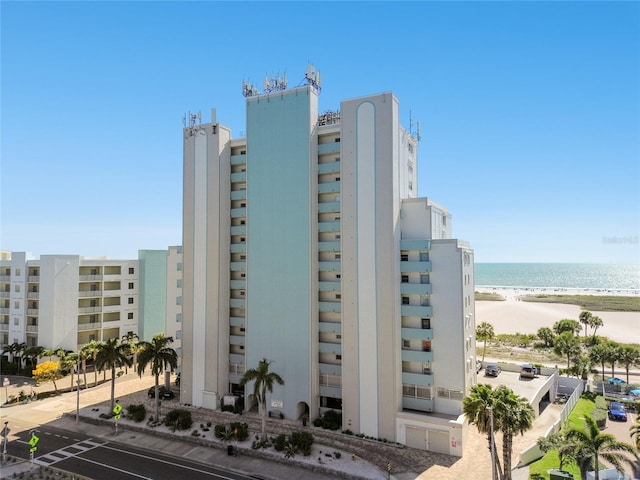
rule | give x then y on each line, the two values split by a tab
89	309
237	369
239	212
89	278
237	302
82	327
239	177
330	369
324	227
238	195
329	286
238	248
415	288
238	230
238	266
328	148
90	293
238	284
33	295
329	187
237	321
32	328
416	356
331	167
239	159
328	327
420	404
415	244
5	278
334	307
415	311
236	340
33	278
5	310
329	246
423	380
5	294
333	348
329	266
417	333
419	267
4	327
329	207
30	311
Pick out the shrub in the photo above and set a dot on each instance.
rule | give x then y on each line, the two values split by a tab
137	413
318	422
600	417
601	403
302	441
280	442
240	430
332	420
219	431
337	455
179	419
227	408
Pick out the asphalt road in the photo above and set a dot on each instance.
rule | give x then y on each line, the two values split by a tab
102	459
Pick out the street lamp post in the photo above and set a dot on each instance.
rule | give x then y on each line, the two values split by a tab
78	389
492	445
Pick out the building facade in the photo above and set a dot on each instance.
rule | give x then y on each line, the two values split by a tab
304	243
66	300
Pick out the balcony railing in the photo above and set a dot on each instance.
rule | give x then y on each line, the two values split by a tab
32	311
5	294
34	278
89	278
32	328
90	293
89	309
33	294
89	326
237	369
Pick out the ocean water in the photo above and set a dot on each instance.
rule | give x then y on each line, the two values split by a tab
558	275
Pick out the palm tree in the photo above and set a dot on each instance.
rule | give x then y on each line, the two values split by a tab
132	341
160	356
613	354
546	335
567	344
598	355
111	356
634	432
585	319
20	348
69	363
595	322
31	355
514	416
89	350
567	325
263	382
477	406
594	445
484	332
629	355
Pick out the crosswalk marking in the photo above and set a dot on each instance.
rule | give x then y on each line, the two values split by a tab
64	453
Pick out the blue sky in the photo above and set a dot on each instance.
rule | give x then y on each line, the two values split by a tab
529	111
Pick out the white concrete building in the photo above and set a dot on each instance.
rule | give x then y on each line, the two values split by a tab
66	300
304	243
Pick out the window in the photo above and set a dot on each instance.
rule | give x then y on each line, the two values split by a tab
179	266
130	285
405	300
130	300
337	236
337	179
336	140
130	316
16	288
131	270
242	222
338	275
16	321
426	323
178	300
406	343
404	257
178	334
338	296
426	345
179	283
338	357
243	257
243	275
426	368
243	205
337	256
16	304
178	317
405	278
18	272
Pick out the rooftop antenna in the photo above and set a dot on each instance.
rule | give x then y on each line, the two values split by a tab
312	75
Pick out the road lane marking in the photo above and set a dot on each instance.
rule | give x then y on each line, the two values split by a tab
114	468
155	459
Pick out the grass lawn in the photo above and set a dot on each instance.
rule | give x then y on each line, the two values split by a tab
487	296
604	303
538	469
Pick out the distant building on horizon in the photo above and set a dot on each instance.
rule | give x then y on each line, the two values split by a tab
305	243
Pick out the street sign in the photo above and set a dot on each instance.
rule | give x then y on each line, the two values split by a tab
6	382
117	410
33	443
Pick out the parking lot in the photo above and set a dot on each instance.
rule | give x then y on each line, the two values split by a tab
525	387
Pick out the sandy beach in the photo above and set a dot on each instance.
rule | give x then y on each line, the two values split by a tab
515	316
